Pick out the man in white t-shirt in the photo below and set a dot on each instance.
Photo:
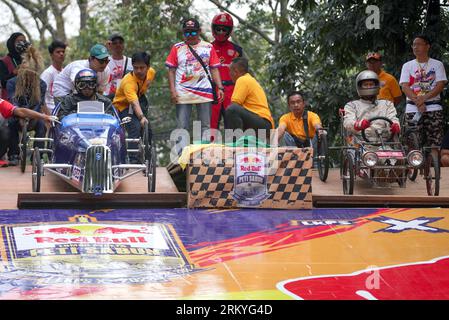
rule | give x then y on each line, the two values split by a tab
98	61
189	82
119	64
422	81
57	55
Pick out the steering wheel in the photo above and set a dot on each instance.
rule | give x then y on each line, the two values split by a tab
377	118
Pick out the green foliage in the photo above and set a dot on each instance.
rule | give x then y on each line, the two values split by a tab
327	49
146	26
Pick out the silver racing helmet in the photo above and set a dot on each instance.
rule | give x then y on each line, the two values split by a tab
367	92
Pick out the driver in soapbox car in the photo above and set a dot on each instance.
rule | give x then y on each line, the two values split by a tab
371	129
89	144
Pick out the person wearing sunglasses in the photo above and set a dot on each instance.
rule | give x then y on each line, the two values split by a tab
86	89
222	26
192	65
98	61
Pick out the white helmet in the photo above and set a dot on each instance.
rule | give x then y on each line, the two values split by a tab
367	75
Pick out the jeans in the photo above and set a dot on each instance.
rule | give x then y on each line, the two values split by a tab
133	129
289	141
239	117
183	112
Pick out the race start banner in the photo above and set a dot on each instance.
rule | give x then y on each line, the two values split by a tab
228	177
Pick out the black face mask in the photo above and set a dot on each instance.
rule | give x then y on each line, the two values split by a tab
22	46
10	44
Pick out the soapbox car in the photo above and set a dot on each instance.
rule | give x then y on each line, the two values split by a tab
383	163
88	149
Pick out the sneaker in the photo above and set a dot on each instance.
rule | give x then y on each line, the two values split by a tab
13	161
3	163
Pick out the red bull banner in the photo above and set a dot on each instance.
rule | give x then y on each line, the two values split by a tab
225	177
319	254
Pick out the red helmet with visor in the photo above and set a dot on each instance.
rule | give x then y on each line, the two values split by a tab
222	25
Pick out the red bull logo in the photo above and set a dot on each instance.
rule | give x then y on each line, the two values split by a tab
87	233
251	159
60	230
405	282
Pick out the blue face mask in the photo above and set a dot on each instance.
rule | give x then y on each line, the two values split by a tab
190	33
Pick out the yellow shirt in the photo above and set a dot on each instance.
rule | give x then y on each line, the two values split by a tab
295	126
389	87
131	88
249	94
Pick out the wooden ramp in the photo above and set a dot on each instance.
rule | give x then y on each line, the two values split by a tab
15	192
330	193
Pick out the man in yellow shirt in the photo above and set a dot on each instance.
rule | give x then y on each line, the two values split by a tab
292	127
389	87
249	105
130	100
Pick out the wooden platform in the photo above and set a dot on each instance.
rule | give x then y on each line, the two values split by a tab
15	187
330	193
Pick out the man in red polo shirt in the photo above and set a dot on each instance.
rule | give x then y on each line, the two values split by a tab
7	110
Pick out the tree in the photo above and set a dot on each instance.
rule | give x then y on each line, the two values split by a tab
326	50
43	12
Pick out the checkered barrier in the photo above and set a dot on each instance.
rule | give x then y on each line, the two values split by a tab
210	178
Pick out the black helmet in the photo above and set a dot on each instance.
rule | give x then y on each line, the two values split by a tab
85	78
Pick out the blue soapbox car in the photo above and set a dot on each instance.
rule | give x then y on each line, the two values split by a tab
88	149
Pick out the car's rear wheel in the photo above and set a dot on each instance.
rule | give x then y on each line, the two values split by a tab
36	173
150	159
323	157
432	174
23	148
347	174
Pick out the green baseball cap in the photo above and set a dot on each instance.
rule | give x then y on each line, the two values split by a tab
99	51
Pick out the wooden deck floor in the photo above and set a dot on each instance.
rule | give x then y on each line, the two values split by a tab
333	186
13	181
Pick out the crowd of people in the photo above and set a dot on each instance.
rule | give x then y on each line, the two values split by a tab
216	79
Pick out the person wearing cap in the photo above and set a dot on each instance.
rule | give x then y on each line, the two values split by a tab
422	80
189	82
98	61
130	99
119	64
7	111
389	86
57	55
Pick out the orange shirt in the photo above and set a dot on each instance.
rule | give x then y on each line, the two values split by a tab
389	87
295	126
249	94
131	88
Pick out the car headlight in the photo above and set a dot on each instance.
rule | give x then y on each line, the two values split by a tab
415	158
370	159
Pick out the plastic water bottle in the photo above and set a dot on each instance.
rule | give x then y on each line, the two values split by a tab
416	117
